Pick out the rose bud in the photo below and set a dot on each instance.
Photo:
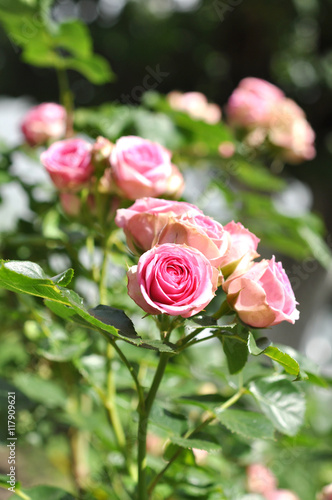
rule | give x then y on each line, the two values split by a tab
69	164
172	279
143	221
196	105
72	205
198	231
260	479
262	296
326	493
251	103
44	122
140	167
281	495
242	249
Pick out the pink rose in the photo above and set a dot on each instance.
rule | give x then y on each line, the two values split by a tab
143	221
252	101
195	105
175	184
43	122
172	279
141	167
326	493
72	205
290	131
242	249
260	479
281	495
226	149
68	163
263	295
198	231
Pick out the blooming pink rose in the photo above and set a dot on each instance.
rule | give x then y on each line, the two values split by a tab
291	131
43	122
68	163
252	101
263	295
172	279
197	231
260	479
143	221
196	105
141	167
242	249
326	493
281	495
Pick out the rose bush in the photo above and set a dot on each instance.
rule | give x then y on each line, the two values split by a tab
172	279
196	105
69	164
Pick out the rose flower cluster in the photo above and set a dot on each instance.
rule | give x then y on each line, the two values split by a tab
266	115
185	256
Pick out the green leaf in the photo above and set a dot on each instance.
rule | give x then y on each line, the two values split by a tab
61	347
281	401
257	176
247	423
75	37
95	68
236	351
290	365
195	443
167	420
43	493
114	317
43	391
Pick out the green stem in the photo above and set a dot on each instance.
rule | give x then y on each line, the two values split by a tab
66	99
103	278
211	417
143	425
223	309
110	401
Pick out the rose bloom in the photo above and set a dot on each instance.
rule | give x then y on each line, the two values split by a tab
263	295
226	149
291	131
143	221
198	231
141	167
43	122
69	164
260	479
242	249
281	495
326	493
172	279
195	105
251	103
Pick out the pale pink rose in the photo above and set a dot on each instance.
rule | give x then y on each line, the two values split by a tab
197	231
260	479
154	444
291	131
242	249
201	456
251	103
172	279
43	122
263	295
281	495
140	167
68	164
326	493
226	149
144	220
196	105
